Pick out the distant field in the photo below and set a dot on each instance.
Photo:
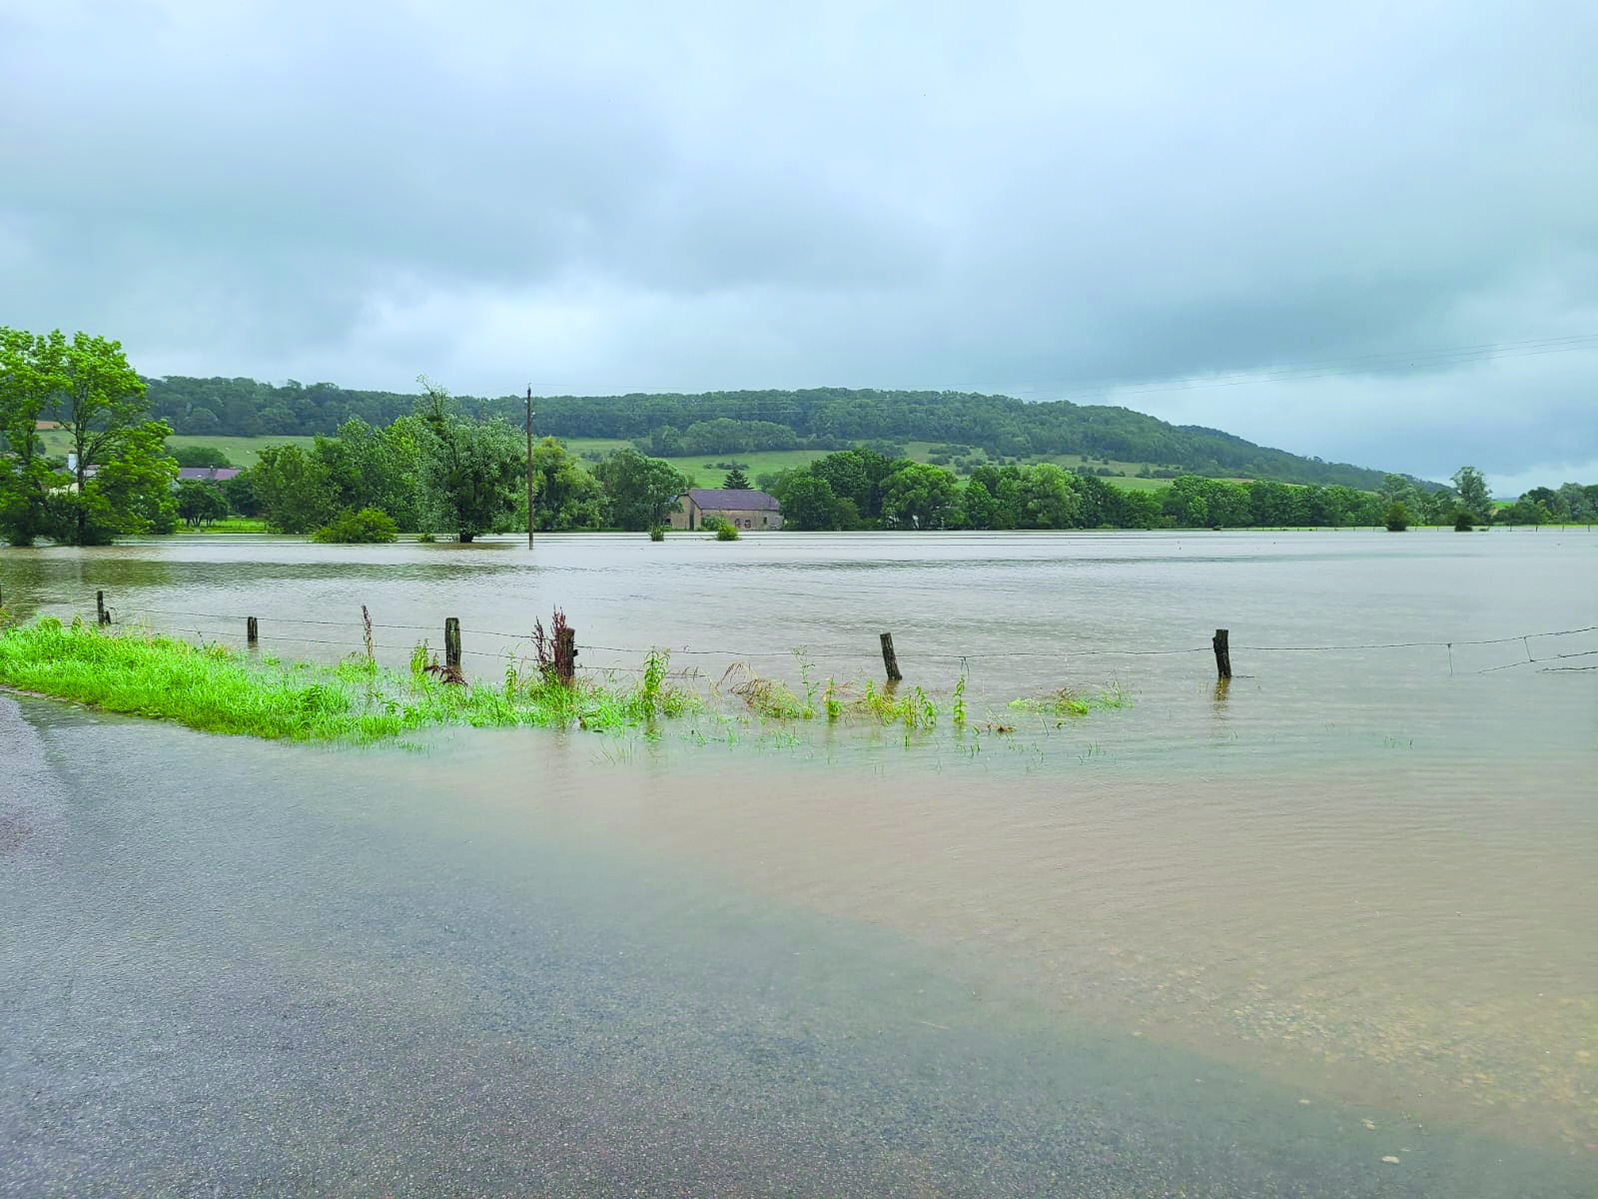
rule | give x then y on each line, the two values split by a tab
701	468
243	451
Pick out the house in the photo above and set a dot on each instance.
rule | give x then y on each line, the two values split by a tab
741	508
207	474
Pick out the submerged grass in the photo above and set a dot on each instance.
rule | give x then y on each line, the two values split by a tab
218	689
1066	702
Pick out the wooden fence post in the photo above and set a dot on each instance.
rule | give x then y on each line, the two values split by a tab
890	660
452	642
1223	654
566	655
99	607
252	632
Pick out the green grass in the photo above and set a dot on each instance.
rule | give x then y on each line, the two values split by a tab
702	470
217	689
242	451
1065	702
233	524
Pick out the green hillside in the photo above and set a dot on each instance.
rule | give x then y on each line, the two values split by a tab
959	428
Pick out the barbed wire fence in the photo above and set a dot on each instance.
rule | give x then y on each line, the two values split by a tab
1546	659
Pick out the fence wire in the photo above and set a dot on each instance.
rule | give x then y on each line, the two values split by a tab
1531	659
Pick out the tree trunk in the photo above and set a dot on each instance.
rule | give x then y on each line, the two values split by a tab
465	538
82	510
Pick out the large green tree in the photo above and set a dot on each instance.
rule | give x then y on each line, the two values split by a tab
101	405
473	472
1473	494
119	473
808	503
31	376
917	496
643	492
565	496
199	503
293	488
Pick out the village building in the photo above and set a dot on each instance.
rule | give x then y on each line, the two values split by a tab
742	508
207	474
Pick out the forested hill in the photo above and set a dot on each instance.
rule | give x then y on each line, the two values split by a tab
746	421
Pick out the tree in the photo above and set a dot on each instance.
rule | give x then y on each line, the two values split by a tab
736	480
1397	518
1576	503
199	455
475	472
917	496
1524	511
101	406
565	496
1050	501
1473	494
293	489
369	526
131	492
977	506
808	503
642	491
31	375
240	494
200	504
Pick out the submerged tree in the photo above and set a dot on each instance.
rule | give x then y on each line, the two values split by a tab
1473	494
119	473
565	496
642	491
200	504
474	471
31	375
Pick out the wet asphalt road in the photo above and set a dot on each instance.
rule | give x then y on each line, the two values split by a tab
229	968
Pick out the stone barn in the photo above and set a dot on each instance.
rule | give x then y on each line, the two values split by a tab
739	507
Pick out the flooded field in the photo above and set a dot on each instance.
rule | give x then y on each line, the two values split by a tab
1352	893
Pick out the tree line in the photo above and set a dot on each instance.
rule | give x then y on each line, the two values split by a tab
440	470
441	467
667	425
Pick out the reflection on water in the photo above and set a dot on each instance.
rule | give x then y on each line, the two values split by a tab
1369	874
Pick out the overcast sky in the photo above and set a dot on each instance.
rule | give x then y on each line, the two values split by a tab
1263	217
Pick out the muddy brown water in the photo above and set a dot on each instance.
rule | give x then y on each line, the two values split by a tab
1367	875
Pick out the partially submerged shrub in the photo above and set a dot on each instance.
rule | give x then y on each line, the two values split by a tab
726	533
369	526
657	534
1065	702
1397	517
766	697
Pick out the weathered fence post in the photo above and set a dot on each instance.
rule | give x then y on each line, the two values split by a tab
452	642
252	631
890	660
1223	654
566	655
99	607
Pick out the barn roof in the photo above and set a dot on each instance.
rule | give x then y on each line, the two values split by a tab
733	497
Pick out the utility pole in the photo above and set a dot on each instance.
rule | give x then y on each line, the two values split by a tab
529	466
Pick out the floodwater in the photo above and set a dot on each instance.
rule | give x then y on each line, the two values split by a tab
1225	940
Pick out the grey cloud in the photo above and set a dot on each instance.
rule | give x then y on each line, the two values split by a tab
1018	197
